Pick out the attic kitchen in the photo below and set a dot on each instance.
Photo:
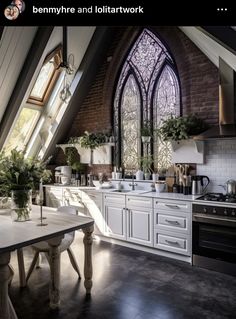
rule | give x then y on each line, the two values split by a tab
136	128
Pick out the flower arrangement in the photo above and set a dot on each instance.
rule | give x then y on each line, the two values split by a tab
20	175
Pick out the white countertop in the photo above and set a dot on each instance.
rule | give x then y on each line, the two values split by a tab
145	193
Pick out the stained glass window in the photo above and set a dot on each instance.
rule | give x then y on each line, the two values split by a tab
130	114
147	90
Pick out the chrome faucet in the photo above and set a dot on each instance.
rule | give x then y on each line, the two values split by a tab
133	184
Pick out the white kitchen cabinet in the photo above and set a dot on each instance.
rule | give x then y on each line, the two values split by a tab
115	221
54	196
139	220
172	226
92	201
115	216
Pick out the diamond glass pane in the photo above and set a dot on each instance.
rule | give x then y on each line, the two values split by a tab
130	114
166	102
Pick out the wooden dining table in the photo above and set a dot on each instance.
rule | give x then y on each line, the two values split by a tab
16	235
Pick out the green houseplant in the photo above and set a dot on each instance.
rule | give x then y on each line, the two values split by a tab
18	177
146	163
146	132
181	128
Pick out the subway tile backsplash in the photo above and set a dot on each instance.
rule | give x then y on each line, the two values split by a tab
220	163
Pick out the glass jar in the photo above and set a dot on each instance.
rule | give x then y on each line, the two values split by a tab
21	205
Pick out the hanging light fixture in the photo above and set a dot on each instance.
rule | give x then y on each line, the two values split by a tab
67	65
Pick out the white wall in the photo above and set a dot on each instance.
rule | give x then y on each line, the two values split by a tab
220	163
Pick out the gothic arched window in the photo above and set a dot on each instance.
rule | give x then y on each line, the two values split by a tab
147	90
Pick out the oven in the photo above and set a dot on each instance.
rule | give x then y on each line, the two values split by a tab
214	237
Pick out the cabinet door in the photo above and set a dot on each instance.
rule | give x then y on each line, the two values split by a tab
115	221
140	227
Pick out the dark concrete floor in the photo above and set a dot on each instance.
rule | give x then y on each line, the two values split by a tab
128	284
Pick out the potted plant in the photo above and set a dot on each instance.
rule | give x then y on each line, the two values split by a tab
181	128
146	162
18	177
91	141
146	132
70	153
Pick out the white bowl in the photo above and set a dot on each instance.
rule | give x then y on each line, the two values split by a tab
160	186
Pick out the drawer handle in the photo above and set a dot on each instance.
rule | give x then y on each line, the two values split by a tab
172	206
171	242
175	222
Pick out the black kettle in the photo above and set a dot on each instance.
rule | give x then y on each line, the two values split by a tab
198	185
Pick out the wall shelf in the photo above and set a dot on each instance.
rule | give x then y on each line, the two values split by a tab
101	155
187	151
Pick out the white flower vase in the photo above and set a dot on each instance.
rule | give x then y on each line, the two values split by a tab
146	139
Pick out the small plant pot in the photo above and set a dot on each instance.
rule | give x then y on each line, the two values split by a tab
146	139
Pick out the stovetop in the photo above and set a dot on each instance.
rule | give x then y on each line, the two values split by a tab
218	197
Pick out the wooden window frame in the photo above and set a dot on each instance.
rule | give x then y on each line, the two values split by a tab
57	53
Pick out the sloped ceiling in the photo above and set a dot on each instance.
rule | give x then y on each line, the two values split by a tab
14	46
212	49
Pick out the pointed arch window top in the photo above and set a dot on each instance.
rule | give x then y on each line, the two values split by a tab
147	54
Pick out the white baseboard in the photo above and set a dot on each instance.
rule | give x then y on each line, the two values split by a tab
155	251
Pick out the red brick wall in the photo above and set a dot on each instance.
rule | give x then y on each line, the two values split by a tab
198	80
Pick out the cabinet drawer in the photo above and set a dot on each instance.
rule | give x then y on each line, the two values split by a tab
172	205
173	221
115	199
173	242
135	201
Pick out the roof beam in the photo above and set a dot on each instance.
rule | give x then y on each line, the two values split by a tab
90	64
37	48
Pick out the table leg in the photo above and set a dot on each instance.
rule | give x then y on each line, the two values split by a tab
88	266
21	267
5	275
54	256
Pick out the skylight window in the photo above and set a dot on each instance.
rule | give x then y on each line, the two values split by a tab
22	130
30	113
46	79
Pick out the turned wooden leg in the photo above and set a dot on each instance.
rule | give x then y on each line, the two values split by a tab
5	276
21	267
54	288
88	267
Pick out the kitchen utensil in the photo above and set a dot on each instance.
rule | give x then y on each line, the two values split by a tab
160	186
198	186
231	187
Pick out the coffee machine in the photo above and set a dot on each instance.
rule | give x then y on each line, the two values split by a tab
63	175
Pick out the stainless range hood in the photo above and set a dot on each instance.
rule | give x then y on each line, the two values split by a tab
227	125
